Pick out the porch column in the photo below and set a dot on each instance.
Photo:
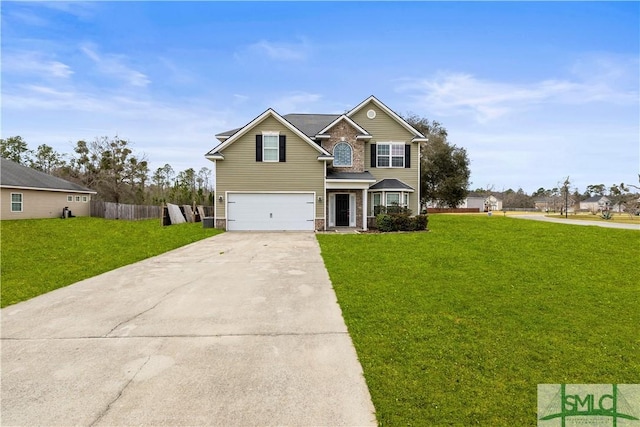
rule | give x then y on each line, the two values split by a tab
364	210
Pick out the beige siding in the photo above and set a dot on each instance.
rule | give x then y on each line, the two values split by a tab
43	204
407	175
384	128
239	170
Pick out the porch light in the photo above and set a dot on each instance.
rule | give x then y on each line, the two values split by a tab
220	199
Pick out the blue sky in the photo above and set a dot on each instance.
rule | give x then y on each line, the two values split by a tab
534	91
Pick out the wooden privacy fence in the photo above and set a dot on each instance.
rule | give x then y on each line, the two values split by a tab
453	210
110	210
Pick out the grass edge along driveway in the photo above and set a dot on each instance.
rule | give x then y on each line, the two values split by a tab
458	326
40	255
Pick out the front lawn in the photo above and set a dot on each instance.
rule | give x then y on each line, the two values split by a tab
40	255
458	326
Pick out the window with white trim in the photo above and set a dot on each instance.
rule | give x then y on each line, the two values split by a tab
390	154
376	202
69	198
270	143
342	155
77	198
393	199
381	201
16	202
85	199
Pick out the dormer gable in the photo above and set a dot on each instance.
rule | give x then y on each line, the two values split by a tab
326	131
232	136
416	136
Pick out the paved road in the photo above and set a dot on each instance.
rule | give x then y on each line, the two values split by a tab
240	329
607	224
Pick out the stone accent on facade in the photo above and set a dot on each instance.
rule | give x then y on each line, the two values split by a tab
344	132
371	222
319	224
221	224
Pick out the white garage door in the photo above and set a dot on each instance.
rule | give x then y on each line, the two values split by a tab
270	211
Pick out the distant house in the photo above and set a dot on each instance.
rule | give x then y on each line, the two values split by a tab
554	204
595	204
29	193
482	202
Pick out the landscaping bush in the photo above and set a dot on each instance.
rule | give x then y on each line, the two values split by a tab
400	219
420	222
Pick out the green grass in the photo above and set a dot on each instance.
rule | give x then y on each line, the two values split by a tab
41	255
458	326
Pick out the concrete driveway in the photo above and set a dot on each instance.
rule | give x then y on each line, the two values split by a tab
241	329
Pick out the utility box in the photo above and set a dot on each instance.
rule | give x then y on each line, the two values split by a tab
207	222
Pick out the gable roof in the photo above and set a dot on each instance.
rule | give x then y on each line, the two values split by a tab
215	153
391	113
363	132
391	184
14	175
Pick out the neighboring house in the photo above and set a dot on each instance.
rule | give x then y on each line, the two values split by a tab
316	171
482	202
554	204
595	204
29	193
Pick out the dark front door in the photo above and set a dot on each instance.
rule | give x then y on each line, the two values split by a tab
342	210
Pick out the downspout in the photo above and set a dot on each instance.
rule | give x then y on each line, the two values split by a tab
364	209
324	200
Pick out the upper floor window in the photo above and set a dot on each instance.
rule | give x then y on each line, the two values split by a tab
342	155
16	202
391	155
270	146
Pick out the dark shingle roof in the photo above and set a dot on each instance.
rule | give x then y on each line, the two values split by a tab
350	175
15	175
229	132
310	124
390	184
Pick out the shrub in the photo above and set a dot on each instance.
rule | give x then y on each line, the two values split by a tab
420	222
387	222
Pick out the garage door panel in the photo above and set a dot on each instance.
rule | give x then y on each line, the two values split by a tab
271	211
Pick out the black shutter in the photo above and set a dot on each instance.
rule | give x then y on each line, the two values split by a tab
282	145
407	155
374	156
258	148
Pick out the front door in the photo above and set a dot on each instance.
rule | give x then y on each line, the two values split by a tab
342	210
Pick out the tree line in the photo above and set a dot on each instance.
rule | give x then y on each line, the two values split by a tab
118	174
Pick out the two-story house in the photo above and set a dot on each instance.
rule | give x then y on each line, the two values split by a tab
316	171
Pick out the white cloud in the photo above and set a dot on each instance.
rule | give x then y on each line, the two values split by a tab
296	102
79	9
276	51
486	100
114	65
34	63
167	131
